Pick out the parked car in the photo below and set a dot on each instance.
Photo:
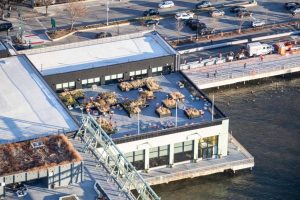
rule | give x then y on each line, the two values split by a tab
184	16
166	4
195	24
103	35
4	26
257	23
216	13
295	10
290	5
206	31
244	13
203	4
151	22
236	9
151	12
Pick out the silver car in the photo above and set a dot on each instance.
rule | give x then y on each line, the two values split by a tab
257	23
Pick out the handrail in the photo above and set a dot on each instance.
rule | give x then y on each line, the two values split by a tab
121	169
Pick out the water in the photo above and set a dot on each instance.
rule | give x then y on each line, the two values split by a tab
265	118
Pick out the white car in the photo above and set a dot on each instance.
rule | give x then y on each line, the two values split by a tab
166	4
216	13
184	16
257	23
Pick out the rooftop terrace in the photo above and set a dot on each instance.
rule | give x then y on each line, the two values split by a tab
149	119
28	107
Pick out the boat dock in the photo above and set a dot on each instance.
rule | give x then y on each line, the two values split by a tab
239	158
228	73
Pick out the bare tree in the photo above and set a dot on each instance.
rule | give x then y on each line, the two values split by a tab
47	3
241	22
2	8
75	11
179	27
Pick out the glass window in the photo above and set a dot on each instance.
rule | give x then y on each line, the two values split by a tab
97	79
131	73
114	76
144	71
208	147
84	81
72	84
120	75
90	80
107	78
159	69
154	69
183	151
58	86
138	72
65	85
159	156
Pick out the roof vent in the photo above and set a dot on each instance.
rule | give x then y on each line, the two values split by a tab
37	144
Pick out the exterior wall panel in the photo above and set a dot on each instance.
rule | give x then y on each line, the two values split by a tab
101	72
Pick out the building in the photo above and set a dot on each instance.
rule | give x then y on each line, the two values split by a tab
104	61
149	141
33	124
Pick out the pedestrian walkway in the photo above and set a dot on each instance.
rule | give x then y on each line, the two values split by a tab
233	72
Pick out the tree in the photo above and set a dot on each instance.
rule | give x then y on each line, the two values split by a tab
179	27
2	8
75	11
47	3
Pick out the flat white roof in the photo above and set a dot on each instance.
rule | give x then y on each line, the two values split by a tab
28	107
99	53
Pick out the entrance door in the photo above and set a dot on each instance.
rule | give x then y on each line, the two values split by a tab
207	152
167	69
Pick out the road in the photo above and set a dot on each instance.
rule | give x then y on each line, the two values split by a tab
272	12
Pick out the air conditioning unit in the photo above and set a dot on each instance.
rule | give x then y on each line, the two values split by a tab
37	144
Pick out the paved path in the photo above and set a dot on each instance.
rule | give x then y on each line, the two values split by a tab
232	72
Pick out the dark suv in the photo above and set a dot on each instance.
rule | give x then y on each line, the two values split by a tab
195	24
206	31
4	26
151	12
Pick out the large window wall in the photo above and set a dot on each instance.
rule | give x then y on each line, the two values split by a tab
208	147
183	151
137	159
176	153
159	156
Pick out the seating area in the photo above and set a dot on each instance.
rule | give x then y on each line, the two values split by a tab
150	101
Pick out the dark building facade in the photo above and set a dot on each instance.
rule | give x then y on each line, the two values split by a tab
112	73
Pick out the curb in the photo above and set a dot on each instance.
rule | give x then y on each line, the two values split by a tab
83	30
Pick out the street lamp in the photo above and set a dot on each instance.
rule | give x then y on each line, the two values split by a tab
107	9
138	115
176	113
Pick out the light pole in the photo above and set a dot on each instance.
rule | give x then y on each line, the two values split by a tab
176	113
138	115
212	108
107	9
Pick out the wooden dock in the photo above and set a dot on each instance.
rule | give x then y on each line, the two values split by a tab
238	158
235	72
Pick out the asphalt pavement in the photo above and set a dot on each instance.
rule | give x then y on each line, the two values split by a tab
272	12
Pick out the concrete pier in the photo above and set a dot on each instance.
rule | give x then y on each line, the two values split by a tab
235	72
238	158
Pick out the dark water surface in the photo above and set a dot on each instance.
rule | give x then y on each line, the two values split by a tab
265	118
